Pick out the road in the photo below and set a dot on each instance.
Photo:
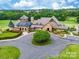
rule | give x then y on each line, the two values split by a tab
29	51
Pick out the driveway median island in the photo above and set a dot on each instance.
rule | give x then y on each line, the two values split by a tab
41	38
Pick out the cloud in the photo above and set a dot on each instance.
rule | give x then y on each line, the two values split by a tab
71	0
62	5
23	3
39	7
66	7
63	2
55	5
29	4
38	4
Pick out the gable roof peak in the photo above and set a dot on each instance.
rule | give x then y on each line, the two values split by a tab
24	17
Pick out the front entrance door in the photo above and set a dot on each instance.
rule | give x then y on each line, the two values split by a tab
48	29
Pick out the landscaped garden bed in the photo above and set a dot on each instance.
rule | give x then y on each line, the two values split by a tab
9	35
75	34
9	52
41	38
60	32
70	52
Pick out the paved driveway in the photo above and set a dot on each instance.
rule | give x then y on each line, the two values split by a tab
29	51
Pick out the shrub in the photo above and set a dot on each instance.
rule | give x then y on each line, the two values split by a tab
7	29
14	31
72	29
41	36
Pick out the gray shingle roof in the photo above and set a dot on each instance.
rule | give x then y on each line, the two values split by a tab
36	26
24	24
56	20
43	20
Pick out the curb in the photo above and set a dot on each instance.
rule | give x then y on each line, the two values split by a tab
15	38
12	39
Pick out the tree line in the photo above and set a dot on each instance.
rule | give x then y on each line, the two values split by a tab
60	14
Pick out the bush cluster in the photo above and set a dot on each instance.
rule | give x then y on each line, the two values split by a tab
41	36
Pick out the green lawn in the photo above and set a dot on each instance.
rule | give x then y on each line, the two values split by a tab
4	23
7	35
70	52
70	21
9	52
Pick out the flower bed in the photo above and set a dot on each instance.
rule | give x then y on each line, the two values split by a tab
60	32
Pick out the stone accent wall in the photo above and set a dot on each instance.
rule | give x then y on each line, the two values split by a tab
48	27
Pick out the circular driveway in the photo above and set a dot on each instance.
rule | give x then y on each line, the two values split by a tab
29	51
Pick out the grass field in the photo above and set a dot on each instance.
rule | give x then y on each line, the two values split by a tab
4	23
70	52
9	52
70	21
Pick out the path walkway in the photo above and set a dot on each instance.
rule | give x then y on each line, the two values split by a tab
29	51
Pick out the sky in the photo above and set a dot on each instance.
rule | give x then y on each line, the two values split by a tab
37	4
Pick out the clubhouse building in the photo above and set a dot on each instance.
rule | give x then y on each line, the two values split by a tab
44	23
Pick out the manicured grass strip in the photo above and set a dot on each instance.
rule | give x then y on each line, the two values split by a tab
9	52
9	35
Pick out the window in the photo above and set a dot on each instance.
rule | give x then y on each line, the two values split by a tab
25	29
20	28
